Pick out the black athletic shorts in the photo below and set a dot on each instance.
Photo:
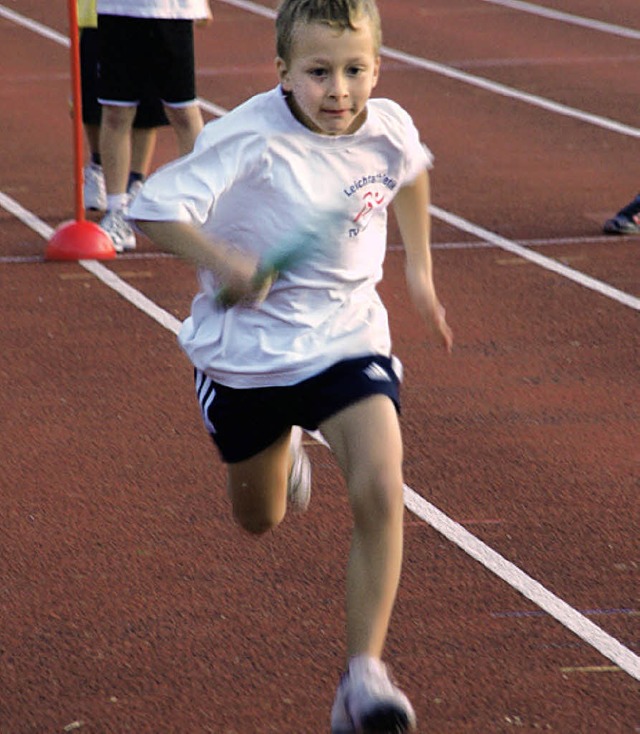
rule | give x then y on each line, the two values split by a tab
145	57
150	112
243	422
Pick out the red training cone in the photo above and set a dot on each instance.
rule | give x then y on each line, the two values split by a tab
81	240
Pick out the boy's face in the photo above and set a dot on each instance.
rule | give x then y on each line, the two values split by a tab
330	76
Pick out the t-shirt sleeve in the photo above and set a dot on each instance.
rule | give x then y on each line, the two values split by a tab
183	190
418	157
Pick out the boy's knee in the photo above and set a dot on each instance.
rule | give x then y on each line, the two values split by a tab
377	499
256	523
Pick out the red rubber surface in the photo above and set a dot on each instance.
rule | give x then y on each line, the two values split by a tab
131	603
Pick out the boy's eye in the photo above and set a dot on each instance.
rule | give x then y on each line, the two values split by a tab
318	72
354	70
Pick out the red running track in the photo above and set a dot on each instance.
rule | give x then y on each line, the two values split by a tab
130	602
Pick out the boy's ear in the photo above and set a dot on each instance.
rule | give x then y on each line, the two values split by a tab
283	73
376	71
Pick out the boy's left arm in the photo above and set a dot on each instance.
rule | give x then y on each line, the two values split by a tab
411	207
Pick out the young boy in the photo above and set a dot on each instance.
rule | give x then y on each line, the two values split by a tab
308	346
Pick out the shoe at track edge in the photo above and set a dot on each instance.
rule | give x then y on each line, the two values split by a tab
367	702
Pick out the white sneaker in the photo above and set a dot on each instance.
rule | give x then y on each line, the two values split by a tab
94	189
120	231
367	702
299	485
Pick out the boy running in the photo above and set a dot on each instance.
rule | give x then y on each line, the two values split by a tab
309	346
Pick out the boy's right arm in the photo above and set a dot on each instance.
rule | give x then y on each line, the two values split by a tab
411	206
236	271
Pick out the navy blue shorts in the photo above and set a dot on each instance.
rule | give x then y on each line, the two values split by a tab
243	422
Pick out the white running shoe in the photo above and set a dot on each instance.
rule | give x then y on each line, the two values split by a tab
120	231
367	702
299	485
94	189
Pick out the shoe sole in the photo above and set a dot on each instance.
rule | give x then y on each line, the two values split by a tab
386	721
383	720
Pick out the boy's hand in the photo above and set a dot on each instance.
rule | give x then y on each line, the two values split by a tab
426	301
243	281
241	278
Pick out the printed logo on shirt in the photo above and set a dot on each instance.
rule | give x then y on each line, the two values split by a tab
370	201
371	191
376	179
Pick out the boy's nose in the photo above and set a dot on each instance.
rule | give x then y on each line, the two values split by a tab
338	86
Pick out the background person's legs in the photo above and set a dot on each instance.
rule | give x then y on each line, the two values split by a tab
187	123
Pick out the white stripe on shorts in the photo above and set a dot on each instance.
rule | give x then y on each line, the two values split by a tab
206	393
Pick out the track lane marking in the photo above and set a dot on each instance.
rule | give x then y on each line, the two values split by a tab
410	59
448	246
578	20
533	590
517	579
33	25
476	81
535	257
473	546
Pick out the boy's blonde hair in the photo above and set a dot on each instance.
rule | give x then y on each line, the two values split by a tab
339	14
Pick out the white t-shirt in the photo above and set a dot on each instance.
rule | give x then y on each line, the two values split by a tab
255	178
166	9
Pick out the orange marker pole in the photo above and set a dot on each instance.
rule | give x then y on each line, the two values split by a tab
78	239
74	35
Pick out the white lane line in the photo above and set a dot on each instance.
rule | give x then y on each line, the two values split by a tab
590	23
569	617
25	216
476	81
517	579
34	26
131	294
458	222
503	90
212	107
108	277
531	589
562	612
416	61
452	246
535	257
557	61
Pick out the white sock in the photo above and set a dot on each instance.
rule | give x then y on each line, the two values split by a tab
116	202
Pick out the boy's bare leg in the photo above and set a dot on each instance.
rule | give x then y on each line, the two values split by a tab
258	487
366	440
